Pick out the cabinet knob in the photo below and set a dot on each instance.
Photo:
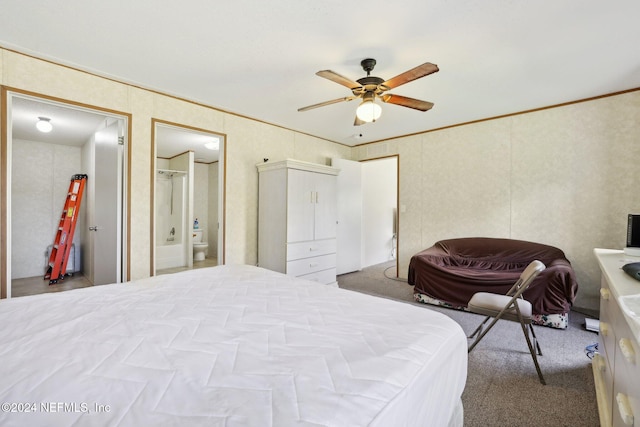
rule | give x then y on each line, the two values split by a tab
604	329
627	350
626	413
605	293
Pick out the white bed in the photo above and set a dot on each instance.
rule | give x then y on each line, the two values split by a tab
227	346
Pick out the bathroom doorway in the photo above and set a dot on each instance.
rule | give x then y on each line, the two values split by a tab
188	198
39	166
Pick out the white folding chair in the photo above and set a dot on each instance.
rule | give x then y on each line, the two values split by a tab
511	306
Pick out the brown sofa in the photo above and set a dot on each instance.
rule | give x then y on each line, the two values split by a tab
451	271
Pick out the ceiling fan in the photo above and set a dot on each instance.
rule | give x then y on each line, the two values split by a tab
369	88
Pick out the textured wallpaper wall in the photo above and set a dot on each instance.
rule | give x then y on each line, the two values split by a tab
564	176
247	143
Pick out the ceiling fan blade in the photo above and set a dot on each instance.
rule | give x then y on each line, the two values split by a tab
404	101
411	75
335	77
358	122
322	104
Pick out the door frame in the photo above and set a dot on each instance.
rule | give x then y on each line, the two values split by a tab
397	157
6	141
222	192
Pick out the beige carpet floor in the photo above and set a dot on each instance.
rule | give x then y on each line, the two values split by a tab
502	385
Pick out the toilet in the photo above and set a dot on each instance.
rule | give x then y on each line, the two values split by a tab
199	247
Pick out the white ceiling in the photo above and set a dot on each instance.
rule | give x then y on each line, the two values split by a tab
259	58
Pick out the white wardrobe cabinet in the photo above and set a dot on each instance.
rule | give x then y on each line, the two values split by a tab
297	219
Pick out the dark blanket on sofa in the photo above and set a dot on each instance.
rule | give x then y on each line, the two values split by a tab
453	270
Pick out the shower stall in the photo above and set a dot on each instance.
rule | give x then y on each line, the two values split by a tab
171	218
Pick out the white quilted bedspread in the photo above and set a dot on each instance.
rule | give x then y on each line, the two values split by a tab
226	346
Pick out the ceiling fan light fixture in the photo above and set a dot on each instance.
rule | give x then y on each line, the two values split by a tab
212	144
44	124
371	87
368	111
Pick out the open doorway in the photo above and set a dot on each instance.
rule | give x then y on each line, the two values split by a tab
39	167
380	210
367	213
188	198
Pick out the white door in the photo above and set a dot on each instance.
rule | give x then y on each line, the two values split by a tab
105	237
349	212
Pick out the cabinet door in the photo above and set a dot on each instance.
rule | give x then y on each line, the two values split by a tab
326	206
300	206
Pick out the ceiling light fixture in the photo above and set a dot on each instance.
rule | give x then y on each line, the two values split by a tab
212	145
44	124
368	111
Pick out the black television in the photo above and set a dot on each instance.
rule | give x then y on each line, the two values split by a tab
633	235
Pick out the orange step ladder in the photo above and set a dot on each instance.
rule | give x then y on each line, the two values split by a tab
57	267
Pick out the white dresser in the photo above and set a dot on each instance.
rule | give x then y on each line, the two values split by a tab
297	214
616	367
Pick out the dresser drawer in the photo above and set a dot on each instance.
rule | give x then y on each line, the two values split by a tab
603	379
304	266
626	391
310	249
626	383
608	307
325	277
